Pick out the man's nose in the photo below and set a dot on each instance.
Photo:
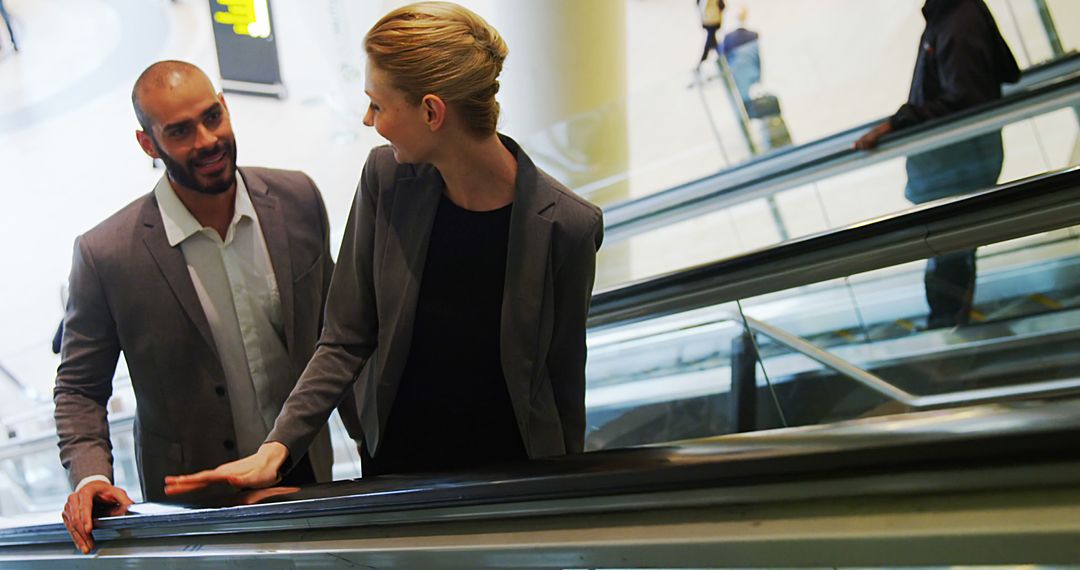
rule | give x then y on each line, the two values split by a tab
204	137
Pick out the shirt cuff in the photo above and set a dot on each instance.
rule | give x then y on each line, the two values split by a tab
91	479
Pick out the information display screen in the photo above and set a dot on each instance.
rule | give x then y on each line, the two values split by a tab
247	53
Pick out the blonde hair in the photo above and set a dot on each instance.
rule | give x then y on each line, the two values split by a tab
442	49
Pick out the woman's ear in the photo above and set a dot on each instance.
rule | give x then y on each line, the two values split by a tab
434	109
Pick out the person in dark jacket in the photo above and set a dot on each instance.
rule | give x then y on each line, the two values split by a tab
963	60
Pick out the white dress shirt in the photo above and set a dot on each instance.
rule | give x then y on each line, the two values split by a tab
235	282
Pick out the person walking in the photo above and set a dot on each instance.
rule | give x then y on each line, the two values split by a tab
712	17
963	61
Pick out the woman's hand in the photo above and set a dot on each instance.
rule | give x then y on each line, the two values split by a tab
252	472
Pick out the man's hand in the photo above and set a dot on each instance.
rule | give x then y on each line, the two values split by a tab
252	472
870	139
79	510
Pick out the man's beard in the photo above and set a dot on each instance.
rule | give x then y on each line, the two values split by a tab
184	173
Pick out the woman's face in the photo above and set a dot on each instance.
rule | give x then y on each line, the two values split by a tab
395	119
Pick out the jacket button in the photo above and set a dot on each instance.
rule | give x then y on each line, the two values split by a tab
220	390
229	444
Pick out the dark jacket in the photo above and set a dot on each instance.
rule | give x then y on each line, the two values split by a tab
554	236
131	292
963	60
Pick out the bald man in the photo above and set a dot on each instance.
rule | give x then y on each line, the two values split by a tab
212	285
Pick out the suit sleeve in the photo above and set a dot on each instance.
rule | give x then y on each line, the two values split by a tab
90	350
349	334
350	416
574	280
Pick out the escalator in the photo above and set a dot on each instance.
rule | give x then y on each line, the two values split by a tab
671	377
990	480
838	323
826	185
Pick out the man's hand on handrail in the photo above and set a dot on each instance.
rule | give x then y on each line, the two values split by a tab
870	140
252	472
79	511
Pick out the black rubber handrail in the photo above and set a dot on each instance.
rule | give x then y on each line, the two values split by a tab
628	218
963	440
800	260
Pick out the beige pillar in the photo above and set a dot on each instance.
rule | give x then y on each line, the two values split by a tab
563	97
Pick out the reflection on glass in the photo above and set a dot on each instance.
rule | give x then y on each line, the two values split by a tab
1020	329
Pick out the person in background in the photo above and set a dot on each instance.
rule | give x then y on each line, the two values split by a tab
212	285
459	303
740	50
962	63
712	17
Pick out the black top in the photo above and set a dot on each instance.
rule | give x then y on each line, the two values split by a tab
963	60
452	408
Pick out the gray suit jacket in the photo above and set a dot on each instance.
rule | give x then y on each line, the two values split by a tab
131	293
554	236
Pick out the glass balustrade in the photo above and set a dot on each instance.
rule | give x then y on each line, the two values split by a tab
791	209
843	348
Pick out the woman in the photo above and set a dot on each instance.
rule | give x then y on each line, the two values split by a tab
463	283
712	17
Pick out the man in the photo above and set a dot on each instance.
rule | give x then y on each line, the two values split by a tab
213	288
963	60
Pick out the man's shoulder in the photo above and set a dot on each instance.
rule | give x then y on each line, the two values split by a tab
122	223
294	187
276	178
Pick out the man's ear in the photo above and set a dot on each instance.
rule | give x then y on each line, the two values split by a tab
434	109
147	144
221	97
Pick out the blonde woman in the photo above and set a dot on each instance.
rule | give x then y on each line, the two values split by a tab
461	292
712	17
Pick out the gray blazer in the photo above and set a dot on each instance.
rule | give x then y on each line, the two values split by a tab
131	293
551	262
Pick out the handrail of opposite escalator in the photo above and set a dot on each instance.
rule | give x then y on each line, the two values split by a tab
828	157
1039	203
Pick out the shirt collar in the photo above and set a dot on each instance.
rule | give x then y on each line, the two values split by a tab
178	221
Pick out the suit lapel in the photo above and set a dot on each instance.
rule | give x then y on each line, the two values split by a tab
275	233
527	266
170	261
412	215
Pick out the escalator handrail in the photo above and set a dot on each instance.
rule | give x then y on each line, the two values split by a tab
1039	203
1035	76
830	156
943	443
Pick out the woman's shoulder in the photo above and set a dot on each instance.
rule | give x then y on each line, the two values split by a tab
572	209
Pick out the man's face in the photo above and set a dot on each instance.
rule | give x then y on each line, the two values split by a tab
191	133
